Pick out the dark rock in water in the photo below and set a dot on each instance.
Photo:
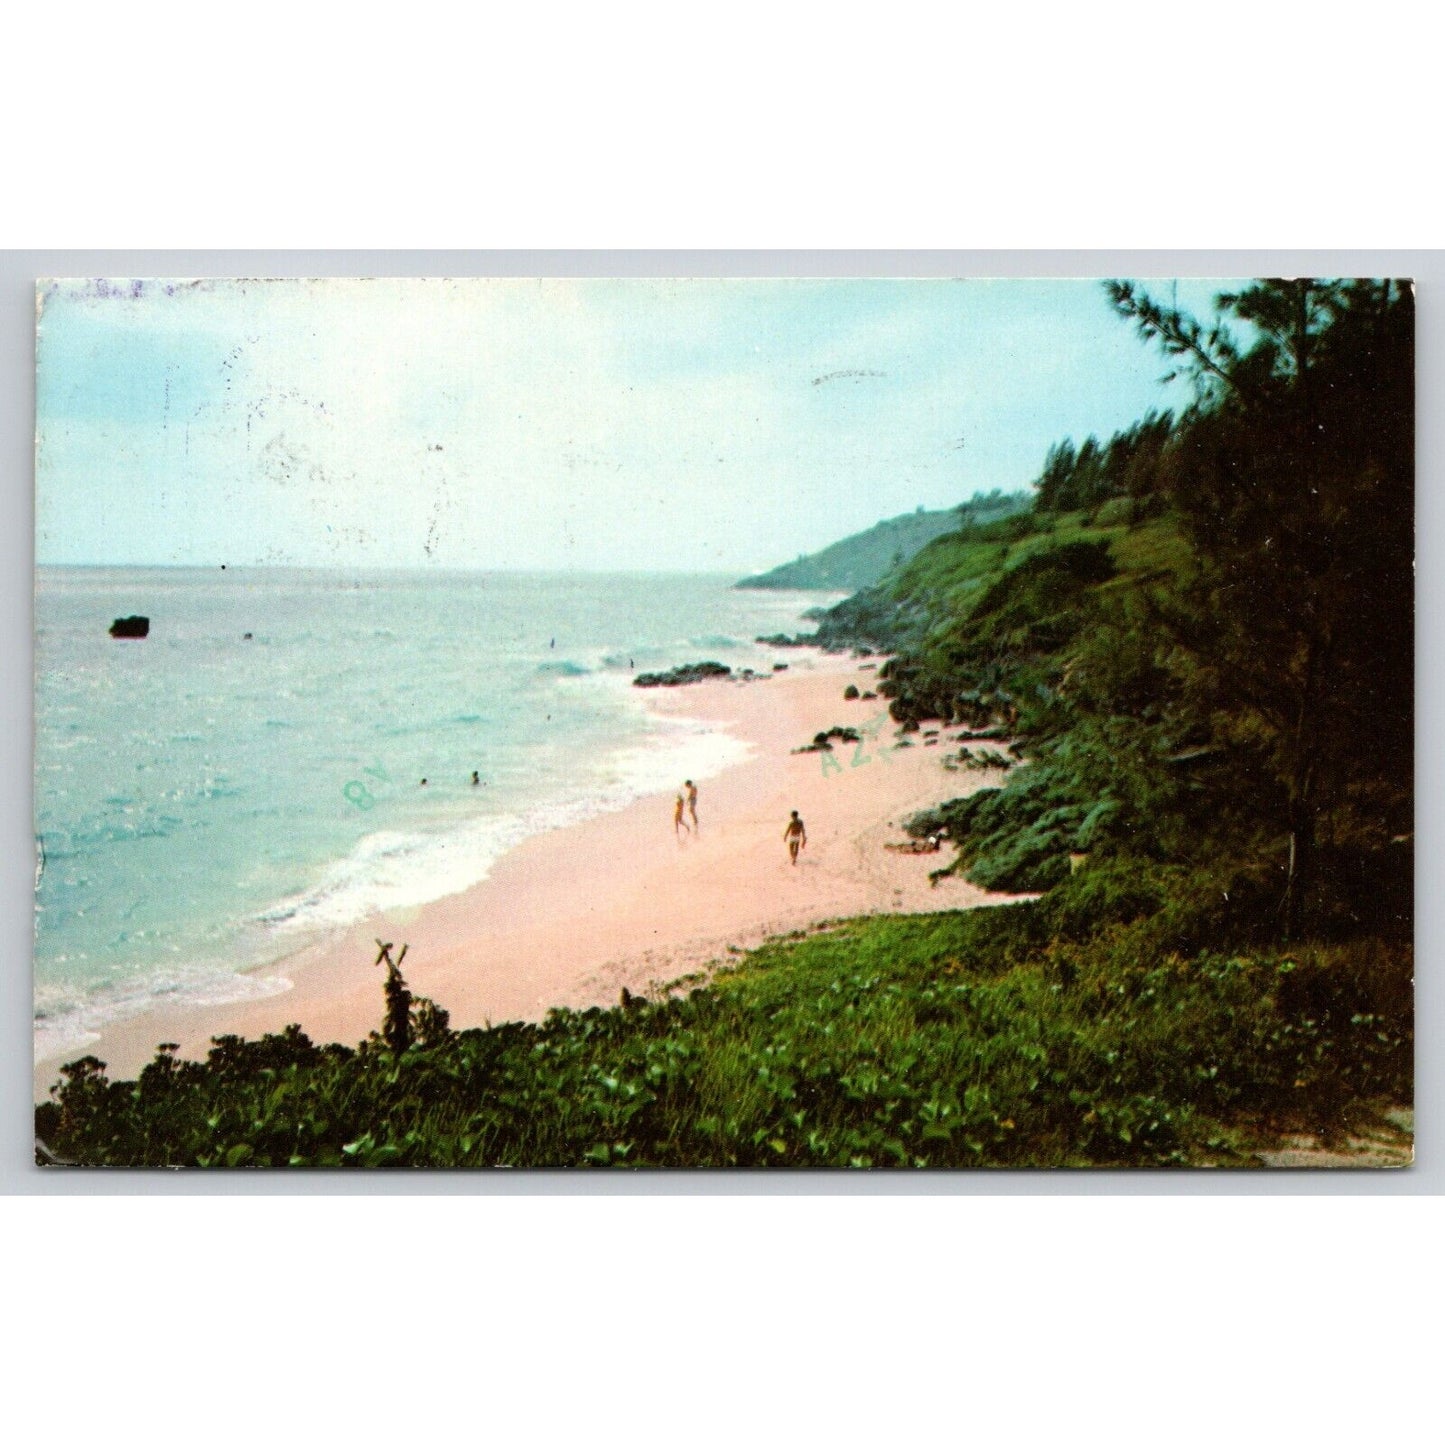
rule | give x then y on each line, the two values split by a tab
780	667
679	676
781	639
246	637
130	627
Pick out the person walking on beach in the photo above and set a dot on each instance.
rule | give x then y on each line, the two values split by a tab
692	802
795	835
677	819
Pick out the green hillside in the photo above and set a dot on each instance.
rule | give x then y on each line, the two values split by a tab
861	560
1193	630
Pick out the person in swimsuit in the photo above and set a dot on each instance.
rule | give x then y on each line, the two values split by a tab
795	835
692	802
677	819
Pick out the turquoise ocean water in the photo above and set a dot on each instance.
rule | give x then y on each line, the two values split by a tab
206	802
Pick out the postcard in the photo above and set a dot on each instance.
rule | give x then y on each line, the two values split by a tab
724	723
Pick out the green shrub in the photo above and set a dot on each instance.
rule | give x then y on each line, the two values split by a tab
1116	512
1069	1031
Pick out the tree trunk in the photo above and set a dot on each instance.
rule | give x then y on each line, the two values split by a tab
1302	852
1302	820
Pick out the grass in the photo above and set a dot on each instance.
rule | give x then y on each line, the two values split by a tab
990	1038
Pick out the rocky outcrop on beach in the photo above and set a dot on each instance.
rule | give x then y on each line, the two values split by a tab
823	742
681	676
781	639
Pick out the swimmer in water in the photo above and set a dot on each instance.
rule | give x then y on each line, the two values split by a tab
795	835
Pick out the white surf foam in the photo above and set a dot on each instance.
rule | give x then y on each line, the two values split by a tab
64	1029
393	870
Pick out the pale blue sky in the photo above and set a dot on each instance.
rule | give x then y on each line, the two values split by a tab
703	425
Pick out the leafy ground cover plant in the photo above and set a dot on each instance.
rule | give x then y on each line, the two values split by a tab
1083	1029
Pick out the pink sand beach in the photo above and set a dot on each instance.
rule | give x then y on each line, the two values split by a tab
570	917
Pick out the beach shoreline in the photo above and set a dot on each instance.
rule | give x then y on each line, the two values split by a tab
571	916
